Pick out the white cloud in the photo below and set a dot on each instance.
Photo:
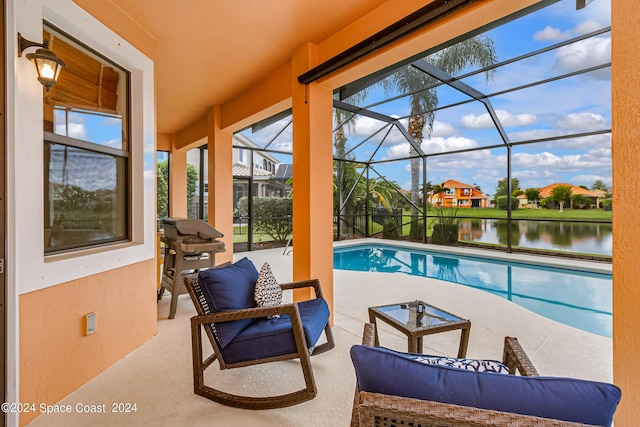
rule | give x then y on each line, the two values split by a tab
442	129
397	151
584	54
286	146
472	121
433	145
149	175
365	127
115	143
149	149
533	134
588	180
569	162
452	143
76	130
551	34
587	26
112	121
582	122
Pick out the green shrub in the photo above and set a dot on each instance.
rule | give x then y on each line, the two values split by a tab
446	225
416	230
606	204
445	233
390	229
271	215
501	203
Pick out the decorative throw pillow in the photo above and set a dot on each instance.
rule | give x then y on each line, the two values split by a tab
468	364
268	292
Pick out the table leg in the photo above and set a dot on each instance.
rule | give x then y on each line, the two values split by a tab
415	344
372	319
464	341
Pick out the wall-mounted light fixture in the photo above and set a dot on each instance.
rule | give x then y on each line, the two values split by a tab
48	65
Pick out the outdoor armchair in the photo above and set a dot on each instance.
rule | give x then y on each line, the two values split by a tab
242	334
394	389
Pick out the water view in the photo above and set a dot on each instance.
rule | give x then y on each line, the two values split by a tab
578	237
575	298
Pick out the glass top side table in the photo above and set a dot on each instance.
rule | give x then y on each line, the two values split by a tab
416	319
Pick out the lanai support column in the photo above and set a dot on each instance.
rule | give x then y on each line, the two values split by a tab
625	129
177	181
312	179
220	159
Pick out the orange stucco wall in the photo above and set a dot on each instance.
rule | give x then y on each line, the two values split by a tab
56	357
626	201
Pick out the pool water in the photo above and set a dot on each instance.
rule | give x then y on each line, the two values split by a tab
575	298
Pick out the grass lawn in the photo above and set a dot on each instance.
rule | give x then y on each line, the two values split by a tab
568	214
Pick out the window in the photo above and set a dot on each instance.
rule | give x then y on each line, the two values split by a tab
450	191
86	150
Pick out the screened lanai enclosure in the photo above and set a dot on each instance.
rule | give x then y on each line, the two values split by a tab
499	139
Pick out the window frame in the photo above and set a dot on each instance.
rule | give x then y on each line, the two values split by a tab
125	152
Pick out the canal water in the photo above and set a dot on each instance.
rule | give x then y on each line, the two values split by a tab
585	238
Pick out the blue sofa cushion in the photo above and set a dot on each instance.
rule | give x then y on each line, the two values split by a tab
380	370
229	288
274	337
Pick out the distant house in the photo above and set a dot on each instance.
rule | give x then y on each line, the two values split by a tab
459	194
252	165
524	202
596	196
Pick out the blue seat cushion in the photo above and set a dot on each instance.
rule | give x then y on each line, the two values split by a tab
380	370
229	288
274	337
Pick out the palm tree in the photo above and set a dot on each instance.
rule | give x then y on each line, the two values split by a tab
345	175
478	50
437	189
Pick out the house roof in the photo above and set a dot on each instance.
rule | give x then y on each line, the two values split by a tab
546	191
243	171
452	183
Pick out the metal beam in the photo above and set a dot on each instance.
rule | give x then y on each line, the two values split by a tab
453	82
379	116
427	15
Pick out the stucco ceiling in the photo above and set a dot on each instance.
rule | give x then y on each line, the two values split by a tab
209	51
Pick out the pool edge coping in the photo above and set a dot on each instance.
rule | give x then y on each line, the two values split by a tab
544	260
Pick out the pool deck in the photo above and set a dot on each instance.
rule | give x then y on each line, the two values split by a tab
158	378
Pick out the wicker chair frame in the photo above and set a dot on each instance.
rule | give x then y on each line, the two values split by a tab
200	364
373	409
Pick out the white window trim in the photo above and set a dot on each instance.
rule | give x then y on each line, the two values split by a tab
33	270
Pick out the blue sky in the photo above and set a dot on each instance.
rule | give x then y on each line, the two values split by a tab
577	104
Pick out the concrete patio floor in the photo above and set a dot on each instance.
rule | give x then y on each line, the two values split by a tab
157	377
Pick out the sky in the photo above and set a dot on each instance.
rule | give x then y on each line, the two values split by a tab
577	104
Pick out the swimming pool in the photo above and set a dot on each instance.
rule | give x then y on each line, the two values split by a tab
576	298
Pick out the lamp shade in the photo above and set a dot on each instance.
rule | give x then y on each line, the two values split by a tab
48	66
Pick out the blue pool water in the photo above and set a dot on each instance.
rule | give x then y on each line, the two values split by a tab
575	298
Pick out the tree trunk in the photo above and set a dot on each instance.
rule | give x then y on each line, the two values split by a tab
339	144
416	125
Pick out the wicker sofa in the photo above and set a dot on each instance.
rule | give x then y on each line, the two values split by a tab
382	409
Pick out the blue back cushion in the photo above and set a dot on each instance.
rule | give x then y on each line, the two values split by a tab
229	288
384	371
